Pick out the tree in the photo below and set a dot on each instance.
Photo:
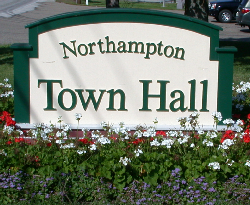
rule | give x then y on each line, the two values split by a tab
112	4
197	9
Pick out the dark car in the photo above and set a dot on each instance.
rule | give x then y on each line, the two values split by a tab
243	15
224	10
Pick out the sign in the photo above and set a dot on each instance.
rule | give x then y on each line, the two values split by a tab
122	65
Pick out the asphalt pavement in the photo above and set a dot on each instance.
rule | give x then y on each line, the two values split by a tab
12	27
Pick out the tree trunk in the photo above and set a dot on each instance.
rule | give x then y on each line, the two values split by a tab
78	1
197	9
112	4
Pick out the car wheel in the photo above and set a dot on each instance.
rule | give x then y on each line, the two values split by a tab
225	16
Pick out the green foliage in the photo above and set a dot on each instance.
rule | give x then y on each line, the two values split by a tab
120	157
6	97
241	100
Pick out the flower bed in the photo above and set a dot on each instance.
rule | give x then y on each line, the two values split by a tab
116	165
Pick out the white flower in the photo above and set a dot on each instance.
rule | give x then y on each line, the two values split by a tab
6	80
121	130
60	141
200	132
229	163
96	135
59	134
244	87
78	116
103	140
228	122
167	142
172	133
226	143
67	146
138	152
214	165
3	152
195	114
212	134
150	132
48	130
85	129
7	86
66	127
138	133
81	151
126	137
217	116
124	160
92	147
184	139
239	135
155	143
192	145
239	122
8	129
20	132
238	125
204	141
247	163
210	144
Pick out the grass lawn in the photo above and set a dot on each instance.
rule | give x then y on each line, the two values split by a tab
6	64
241	61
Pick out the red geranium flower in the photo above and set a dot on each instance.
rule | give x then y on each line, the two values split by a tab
229	134
17	140
161	133
6	117
137	141
246	137
36	159
10	122
49	144
21	139
9	142
84	141
113	138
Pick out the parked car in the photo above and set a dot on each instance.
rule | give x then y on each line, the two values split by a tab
243	14
224	10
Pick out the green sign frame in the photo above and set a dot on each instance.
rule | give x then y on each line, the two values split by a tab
23	52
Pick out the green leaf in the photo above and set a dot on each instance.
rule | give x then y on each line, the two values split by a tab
151	178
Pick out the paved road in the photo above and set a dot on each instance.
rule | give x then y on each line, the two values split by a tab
12	25
9	8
